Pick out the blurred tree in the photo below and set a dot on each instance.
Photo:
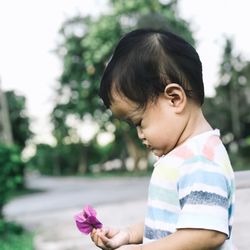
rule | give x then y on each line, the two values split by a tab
20	122
10	178
64	159
86	46
20	126
5	125
230	106
51	160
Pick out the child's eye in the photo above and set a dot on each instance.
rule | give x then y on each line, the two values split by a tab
138	124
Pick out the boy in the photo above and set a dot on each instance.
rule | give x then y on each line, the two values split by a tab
154	80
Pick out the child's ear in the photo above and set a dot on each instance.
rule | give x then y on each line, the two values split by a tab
176	96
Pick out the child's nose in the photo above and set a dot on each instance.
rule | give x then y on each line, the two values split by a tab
139	132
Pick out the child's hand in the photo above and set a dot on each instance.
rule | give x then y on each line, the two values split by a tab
129	247
109	238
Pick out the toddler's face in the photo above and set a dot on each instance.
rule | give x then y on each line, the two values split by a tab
158	126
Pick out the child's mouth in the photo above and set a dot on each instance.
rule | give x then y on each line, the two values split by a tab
148	146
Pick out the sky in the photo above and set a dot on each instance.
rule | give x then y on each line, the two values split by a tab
29	34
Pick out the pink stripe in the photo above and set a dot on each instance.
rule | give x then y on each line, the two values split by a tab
209	147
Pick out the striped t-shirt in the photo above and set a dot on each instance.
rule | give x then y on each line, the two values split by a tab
192	187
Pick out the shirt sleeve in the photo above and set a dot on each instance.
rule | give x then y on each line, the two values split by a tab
203	196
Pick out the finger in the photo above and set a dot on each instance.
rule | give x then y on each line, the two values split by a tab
94	236
104	231
93	233
103	237
107	242
112	232
99	238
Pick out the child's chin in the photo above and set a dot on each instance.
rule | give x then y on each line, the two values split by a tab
157	153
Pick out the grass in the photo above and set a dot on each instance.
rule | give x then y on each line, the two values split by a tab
14	237
14	241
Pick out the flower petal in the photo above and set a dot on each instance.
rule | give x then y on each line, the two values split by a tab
79	217
84	227
86	221
94	222
89	211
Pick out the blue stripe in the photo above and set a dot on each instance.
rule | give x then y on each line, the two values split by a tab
231	210
163	194
204	198
153	234
198	158
230	231
204	177
161	215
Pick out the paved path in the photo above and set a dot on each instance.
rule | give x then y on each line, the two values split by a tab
119	201
242	218
70	192
50	213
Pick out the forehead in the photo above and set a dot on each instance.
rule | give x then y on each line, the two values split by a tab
122	107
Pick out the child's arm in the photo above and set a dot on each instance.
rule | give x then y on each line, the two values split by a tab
184	239
136	233
114	238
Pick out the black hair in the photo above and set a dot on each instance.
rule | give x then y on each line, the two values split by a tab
145	61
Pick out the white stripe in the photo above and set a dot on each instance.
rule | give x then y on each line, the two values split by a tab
163	205
163	183
170	160
204	166
155	224
205	209
231	221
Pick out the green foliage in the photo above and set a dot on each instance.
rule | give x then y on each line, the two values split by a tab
20	127
68	159
57	160
10	162
229	108
7	228
87	44
19	120
13	237
241	158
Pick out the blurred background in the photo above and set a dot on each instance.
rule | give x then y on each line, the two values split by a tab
54	126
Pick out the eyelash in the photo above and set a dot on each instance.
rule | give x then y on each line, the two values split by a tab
131	123
138	124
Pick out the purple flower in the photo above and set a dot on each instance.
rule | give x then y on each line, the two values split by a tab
86	221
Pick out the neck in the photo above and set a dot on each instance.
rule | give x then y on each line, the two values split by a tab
196	124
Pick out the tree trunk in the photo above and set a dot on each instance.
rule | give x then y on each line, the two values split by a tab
83	163
135	152
5	125
235	116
